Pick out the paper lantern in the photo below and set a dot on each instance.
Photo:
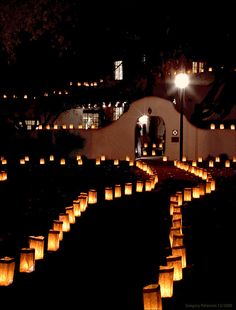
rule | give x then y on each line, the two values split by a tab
212	126
37	243
71	126
208	187
7	268
117	193
108	193
200	159
79	162
127	158
26	158
55	126
76	205
62	161
148	185
145	144
177	215
58	226
217	159
22	161
211	163
51	158
139	186
232	127
222	126
98	162
64	217
80	126
103	157
177	223
70	210
178	239
164	158
144	153
48	127
176	262
172	205
166	280
153	153
227	163
173	230
53	240
63	126
92	196
202	190
196	191
128	188
116	162
187	194
194	163
180	250
152	297
131	163
27	260
42	161
83	199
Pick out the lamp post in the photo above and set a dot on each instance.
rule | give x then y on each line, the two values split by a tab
181	82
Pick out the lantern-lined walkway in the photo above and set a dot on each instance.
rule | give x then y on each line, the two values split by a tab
116	246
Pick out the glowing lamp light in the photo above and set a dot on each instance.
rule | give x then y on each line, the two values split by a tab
80	162
70	211
178	239
232	127
51	158
180	250
7	269
139	186
148	185
187	194
153	153
37	243
53	240
71	126
166	280
117	191
196	191
116	162
108	193
222	126
48	127
227	163
62	161
103	157
152	297
92	196
131	163
98	162
211	163
55	126
58	226
64	217
212	126
176	262
27	260
164	158
83	199
22	161
76	205
42	161
217	159
173	231
181	80
63	126
127	158
128	188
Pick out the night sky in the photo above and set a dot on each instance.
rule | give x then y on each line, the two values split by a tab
97	32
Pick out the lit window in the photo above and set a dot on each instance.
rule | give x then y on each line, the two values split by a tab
194	67
201	67
118	70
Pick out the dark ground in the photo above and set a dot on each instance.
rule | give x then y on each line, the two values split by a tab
115	247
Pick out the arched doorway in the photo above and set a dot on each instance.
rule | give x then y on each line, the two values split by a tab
149	136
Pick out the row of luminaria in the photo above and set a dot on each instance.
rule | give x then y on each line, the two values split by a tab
36	244
176	261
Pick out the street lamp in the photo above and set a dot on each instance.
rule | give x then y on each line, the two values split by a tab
181	82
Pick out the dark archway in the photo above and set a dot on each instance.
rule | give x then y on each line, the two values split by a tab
150	135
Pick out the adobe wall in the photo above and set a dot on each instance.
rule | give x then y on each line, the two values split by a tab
117	140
